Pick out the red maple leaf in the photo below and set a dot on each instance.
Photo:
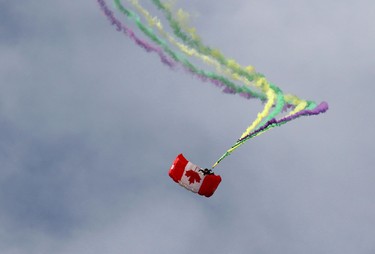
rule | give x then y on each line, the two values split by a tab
193	176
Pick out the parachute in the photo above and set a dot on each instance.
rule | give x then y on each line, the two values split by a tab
198	180
176	49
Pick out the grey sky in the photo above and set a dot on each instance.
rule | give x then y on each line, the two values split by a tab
90	123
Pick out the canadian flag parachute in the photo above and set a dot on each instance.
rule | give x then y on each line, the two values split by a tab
198	180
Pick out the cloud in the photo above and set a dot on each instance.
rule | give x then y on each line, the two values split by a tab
89	125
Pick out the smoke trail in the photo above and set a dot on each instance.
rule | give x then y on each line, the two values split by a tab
191	45
194	41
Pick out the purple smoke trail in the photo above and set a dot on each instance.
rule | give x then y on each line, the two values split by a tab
321	108
128	32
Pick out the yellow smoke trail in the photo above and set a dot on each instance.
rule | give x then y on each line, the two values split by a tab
271	99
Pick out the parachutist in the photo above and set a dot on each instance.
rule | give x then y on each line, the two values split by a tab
206	171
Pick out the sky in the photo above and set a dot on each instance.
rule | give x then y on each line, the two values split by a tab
90	124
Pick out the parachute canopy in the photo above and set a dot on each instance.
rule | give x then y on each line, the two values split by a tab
198	180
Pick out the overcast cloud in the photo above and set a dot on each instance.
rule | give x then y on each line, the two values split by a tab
90	123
